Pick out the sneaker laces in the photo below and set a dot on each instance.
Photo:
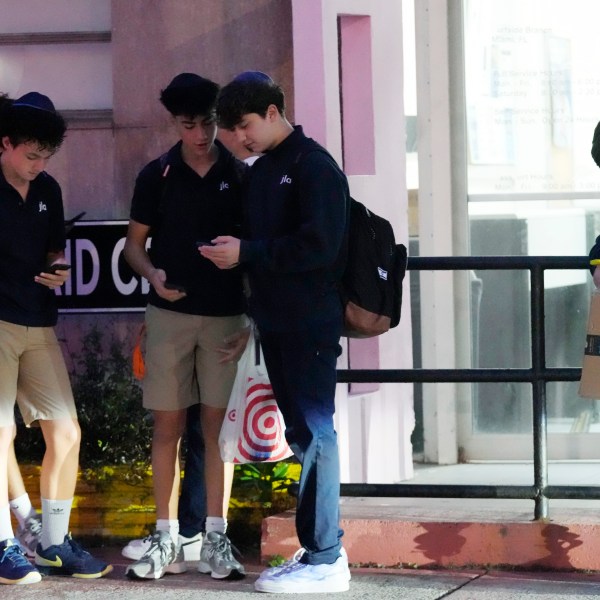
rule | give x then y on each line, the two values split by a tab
291	567
158	547
34	526
14	554
223	548
148	539
288	563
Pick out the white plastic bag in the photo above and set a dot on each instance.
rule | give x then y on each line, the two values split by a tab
253	429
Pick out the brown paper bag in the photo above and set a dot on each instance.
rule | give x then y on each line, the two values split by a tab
589	385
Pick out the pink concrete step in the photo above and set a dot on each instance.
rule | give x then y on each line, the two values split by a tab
434	533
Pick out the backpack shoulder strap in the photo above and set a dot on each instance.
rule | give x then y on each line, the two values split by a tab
165	167
309	147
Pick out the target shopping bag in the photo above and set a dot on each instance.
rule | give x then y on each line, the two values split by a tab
253	429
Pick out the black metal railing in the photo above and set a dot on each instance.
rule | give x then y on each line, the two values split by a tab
538	375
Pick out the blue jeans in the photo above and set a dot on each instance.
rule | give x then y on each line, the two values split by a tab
302	370
191	510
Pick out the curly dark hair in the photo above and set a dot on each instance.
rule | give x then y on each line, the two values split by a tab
249	92
22	124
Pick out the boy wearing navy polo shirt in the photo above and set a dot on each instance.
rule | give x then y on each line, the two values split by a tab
32	368
183	199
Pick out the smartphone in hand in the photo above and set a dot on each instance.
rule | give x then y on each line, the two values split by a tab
174	286
56	267
201	243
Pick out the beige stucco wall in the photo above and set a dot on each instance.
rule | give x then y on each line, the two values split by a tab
151	43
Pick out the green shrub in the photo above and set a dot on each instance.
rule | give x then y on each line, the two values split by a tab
115	428
260	483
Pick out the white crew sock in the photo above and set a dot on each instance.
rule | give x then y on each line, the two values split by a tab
171	526
216	524
6	530
22	509
55	517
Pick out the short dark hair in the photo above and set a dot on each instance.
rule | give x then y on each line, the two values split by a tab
190	95
249	92
31	118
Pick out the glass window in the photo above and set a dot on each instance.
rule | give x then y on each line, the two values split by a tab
532	95
532	73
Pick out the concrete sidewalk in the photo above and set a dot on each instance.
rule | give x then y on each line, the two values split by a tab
376	584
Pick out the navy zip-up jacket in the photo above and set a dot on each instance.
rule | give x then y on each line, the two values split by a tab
295	224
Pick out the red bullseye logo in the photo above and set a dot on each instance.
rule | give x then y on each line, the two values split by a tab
262	430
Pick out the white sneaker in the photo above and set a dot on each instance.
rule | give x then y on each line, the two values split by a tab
295	577
191	547
297	556
163	556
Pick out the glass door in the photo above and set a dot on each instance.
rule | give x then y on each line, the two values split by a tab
532	75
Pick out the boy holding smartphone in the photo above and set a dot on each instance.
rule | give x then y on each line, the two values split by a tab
32	368
190	193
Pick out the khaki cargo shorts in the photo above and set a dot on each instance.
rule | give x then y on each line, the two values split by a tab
33	372
182	361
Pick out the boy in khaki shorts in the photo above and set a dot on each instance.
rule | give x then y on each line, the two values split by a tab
32	368
184	199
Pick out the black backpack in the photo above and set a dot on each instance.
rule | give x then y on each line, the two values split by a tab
371	283
371	286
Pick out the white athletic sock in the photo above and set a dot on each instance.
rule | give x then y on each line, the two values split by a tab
171	526
55	517
6	530
216	524
22	509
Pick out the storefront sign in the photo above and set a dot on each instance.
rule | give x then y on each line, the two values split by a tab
101	280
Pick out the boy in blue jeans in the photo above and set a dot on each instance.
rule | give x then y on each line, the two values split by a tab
293	248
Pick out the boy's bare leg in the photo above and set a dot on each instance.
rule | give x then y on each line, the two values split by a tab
16	486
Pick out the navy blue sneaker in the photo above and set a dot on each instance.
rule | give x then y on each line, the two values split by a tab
70	559
15	569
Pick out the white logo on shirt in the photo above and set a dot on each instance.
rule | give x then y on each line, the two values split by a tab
285	179
42	207
224	186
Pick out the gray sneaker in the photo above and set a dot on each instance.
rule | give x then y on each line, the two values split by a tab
216	558
163	556
29	534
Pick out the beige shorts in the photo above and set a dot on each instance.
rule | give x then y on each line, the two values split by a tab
33	372
182	359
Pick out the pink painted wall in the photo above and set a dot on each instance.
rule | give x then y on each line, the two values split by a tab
356	79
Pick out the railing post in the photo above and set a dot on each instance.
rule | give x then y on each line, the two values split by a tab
538	364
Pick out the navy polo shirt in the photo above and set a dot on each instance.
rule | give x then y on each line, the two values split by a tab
28	231
181	208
